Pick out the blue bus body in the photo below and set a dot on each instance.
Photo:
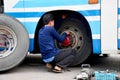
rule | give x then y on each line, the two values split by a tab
32	9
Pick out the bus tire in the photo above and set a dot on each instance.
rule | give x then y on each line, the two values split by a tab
82	41
16	40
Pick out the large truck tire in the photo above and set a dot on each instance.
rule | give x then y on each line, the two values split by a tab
14	42
79	39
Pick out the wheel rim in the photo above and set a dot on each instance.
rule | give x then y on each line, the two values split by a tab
76	37
8	41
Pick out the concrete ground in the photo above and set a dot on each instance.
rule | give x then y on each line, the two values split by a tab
33	69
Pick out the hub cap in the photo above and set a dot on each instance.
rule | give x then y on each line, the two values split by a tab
74	40
8	41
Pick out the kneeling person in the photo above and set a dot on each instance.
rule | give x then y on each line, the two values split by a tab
58	59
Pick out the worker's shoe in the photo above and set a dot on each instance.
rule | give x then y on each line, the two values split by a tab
49	66
58	69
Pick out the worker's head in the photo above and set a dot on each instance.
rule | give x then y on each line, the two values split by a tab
48	19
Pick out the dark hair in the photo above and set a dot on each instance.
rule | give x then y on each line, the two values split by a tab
47	18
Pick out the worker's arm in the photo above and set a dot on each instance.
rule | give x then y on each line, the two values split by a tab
58	37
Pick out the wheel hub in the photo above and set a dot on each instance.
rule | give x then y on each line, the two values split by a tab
70	41
66	42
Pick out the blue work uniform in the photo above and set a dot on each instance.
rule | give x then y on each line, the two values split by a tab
46	39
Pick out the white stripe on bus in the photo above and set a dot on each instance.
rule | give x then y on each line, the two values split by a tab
45	9
36	19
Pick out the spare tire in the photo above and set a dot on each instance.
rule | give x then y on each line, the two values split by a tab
14	42
79	39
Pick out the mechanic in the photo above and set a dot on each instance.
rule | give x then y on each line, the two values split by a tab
56	59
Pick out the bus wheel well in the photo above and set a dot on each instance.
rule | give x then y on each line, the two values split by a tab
57	15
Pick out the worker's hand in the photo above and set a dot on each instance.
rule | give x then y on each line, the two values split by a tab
67	32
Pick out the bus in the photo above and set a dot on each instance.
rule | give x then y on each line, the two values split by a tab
94	28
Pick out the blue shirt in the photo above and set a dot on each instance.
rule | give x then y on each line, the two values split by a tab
46	39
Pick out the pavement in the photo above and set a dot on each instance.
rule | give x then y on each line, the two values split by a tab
34	69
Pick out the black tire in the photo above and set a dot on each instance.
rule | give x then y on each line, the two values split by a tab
16	40
81	41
